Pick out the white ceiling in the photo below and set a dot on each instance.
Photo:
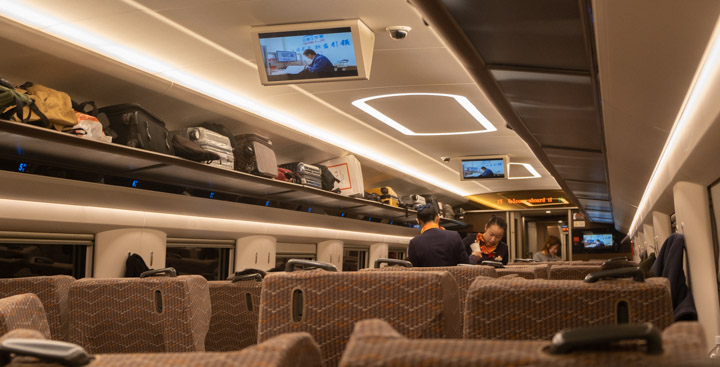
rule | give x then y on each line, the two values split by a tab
211	40
648	52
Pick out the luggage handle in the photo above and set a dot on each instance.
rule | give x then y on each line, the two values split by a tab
628	272
67	354
403	263
293	263
240	278
588	338
171	272
496	264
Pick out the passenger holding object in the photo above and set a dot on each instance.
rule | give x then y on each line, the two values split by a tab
488	245
435	246
402	263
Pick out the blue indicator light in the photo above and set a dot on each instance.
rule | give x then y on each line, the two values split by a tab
309	209
135	183
23	167
370	219
342	215
212	195
392	221
267	203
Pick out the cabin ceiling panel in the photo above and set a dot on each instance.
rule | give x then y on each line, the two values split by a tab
578	165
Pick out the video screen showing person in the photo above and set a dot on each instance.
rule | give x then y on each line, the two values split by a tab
483	168
597	240
309	54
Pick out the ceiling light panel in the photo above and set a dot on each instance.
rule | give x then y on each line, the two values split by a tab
484	125
527	166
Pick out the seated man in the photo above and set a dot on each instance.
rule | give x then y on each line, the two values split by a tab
435	246
320	66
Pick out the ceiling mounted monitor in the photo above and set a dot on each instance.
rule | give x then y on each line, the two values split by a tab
484	167
313	52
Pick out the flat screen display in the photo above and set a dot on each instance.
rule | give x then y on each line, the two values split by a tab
597	240
309	54
483	168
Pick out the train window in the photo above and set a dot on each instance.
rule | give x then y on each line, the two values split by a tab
282	259
396	253
210	262
354	259
26	260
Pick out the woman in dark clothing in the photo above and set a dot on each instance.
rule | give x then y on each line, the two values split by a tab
490	245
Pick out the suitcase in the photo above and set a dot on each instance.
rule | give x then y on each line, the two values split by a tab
138	128
214	142
387	195
411	201
347	169
448	211
256	155
307	173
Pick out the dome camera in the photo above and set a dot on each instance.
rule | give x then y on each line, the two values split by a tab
398	32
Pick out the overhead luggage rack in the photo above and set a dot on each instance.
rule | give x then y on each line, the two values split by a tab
34	145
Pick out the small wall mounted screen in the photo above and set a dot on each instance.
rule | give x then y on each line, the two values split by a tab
483	168
597	241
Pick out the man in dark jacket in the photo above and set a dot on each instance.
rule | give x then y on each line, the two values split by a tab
435	246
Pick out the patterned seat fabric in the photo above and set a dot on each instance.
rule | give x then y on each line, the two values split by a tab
375	343
541	271
418	304
235	312
516	308
287	350
572	272
464	275
53	293
522	272
134	315
24	311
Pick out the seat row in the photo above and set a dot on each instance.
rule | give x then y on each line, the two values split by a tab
165	314
376	343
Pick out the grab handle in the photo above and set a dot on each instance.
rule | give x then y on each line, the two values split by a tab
67	354
293	263
629	272
588	338
171	272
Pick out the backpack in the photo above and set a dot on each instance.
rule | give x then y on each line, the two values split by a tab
328	179
50	108
13	102
134	266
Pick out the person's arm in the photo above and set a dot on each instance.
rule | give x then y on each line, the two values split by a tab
504	253
468	240
462	255
412	256
319	63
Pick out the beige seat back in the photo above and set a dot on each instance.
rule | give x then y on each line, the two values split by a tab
464	275
23	311
527	271
572	272
53	293
375	343
235	311
328	304
140	315
517	308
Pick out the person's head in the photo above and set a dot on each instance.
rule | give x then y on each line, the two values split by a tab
483	168
426	213
494	230
310	54
552	245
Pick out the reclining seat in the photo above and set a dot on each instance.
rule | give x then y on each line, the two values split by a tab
539	271
572	272
375	343
53	293
328	304
515	308
235	312
464	275
287	350
24	311
140	315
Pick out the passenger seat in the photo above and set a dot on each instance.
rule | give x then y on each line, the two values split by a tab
327	304
235	312
375	343
53	293
24	311
572	272
516	308
131	315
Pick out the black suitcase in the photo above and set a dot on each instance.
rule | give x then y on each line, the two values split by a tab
136	127
308	174
256	155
